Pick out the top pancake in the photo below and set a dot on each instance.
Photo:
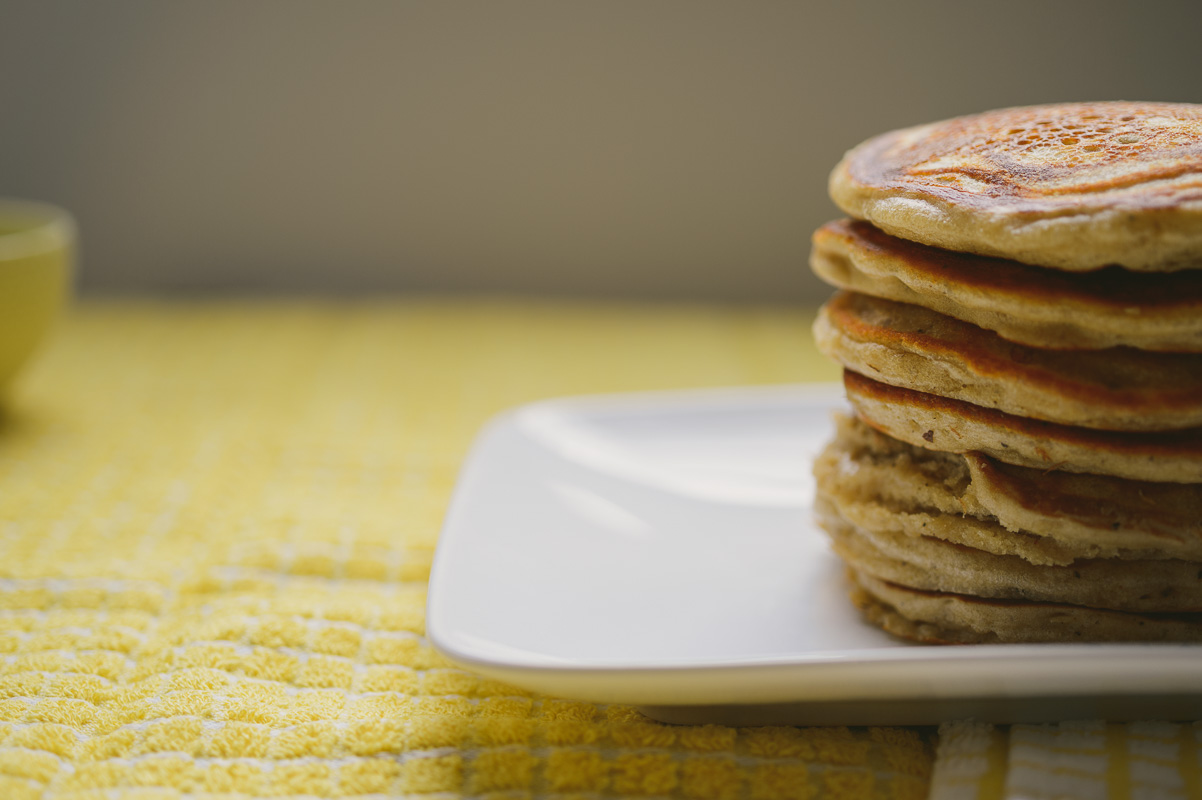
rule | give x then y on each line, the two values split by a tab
1075	186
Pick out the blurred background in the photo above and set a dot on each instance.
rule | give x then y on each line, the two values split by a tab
667	150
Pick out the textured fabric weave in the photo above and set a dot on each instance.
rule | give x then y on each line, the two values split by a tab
216	527
1082	760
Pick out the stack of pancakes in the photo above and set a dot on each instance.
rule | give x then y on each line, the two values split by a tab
1020	324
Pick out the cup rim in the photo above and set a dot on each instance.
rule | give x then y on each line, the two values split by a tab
50	228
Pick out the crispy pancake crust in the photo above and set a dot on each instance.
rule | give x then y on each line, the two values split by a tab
939	423
1051	518
1030	305
911	346
1074	186
947	618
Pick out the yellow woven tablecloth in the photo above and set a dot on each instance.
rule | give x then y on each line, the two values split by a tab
216	526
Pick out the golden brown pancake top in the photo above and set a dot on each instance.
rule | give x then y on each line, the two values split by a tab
1042	156
1073	186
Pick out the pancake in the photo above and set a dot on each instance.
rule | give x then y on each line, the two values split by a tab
948	618
1030	305
923	562
1075	186
938	423
881	484
982	534
907	345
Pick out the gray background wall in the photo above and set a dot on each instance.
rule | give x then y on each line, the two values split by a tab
659	149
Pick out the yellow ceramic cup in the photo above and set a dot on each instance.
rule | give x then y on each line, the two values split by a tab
37	252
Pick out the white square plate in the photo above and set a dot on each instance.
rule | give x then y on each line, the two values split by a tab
658	550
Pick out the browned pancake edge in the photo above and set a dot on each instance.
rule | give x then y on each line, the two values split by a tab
1030	305
940	423
908	345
